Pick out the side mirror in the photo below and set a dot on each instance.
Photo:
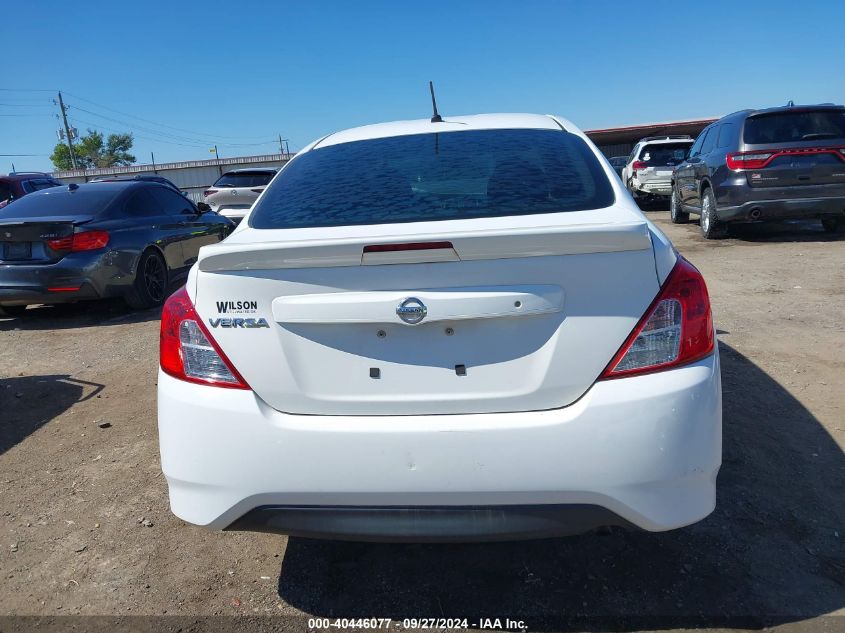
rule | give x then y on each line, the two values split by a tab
203	207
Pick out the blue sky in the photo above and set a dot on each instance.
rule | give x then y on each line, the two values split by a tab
238	73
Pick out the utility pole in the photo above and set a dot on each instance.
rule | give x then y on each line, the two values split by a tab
217	156
67	131
153	156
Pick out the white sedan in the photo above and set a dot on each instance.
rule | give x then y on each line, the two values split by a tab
458	330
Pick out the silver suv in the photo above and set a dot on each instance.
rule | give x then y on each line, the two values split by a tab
234	192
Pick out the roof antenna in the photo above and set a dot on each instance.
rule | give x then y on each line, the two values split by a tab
436	118
790	104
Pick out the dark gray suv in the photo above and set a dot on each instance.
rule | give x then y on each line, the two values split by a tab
774	164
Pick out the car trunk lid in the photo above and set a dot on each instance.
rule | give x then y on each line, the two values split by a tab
27	241
802	165
794	147
508	314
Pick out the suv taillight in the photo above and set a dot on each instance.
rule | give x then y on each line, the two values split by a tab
187	350
748	160
677	328
82	241
208	192
762	158
638	164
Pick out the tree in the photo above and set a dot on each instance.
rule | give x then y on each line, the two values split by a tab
93	151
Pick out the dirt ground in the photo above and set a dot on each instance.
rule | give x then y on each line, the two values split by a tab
86	527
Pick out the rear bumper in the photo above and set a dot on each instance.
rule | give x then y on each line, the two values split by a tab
644	450
76	277
654	187
784	209
429	523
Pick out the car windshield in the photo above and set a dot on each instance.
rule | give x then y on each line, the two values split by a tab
665	154
244	179
793	126
427	177
87	200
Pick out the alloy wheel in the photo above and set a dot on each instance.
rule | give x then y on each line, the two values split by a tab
154	278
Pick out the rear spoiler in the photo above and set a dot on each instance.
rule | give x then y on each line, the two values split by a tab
574	239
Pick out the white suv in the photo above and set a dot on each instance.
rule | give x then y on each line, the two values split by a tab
456	330
648	171
234	192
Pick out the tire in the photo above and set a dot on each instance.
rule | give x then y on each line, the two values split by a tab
709	223
675	213
13	311
832	225
150	286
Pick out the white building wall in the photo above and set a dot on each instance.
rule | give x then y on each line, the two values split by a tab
192	177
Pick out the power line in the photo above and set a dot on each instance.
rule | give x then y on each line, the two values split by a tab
146	138
178	129
27	90
203	145
26	105
168	134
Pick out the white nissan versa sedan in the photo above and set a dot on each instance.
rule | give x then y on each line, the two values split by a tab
457	330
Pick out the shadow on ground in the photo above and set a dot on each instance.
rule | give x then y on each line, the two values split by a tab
769	554
77	315
762	232
787	231
29	402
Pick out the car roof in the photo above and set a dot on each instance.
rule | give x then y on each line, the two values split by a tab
103	185
269	170
504	121
663	141
788	108
26	175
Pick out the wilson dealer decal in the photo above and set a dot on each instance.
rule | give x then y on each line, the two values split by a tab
237	307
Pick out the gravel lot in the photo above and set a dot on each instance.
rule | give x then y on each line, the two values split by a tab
87	530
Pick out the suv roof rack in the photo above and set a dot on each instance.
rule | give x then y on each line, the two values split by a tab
28	173
667	137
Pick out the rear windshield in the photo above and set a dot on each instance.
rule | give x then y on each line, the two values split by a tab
87	200
789	127
39	183
664	154
427	177
244	179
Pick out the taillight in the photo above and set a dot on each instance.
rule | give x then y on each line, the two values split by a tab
187	350
638	164
760	159
748	160
408	246
256	190
676	329
208	192
82	241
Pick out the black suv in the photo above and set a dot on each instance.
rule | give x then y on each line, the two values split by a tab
774	164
